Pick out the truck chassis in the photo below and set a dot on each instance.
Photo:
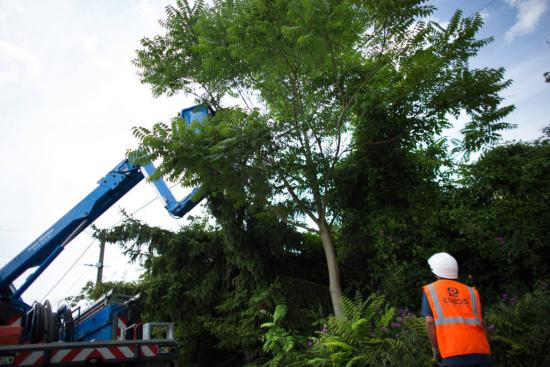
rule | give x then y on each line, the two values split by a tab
154	352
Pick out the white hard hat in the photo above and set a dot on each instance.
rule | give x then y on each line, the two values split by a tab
444	265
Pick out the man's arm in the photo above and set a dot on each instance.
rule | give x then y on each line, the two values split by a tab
430	329
426	311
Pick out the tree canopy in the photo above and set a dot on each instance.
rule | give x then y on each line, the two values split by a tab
317	80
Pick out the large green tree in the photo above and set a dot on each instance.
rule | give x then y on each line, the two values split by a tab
306	73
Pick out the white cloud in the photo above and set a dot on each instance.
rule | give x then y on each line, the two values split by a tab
10	8
17	64
442	23
149	10
89	43
528	81
529	14
484	14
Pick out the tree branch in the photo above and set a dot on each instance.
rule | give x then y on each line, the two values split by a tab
292	193
293	223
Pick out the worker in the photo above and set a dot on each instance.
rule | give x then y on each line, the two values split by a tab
453	317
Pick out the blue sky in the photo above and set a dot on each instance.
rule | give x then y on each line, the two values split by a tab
69	96
521	32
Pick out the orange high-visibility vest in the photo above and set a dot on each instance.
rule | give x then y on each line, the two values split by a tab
457	314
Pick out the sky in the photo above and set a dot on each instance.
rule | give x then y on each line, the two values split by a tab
69	96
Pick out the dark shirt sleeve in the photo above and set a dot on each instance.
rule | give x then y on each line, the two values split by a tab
425	310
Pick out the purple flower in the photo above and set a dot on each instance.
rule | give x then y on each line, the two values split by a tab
324	330
513	301
504	297
501	240
384	329
309	344
395	325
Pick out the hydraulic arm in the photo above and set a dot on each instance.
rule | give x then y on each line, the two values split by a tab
119	181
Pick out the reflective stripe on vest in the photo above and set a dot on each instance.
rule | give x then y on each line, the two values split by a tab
442	320
456	310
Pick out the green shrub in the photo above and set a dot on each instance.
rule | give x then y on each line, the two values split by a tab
371	334
520	330
285	346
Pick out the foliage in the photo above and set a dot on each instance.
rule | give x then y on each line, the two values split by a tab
520	332
188	274
285	347
277	339
497	214
311	74
92	292
507	202
371	334
214	284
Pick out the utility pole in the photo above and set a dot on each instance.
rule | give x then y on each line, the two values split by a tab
100	263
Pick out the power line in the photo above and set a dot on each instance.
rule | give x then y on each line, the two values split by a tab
87	248
483	7
18	230
135	211
70	288
24	230
142	207
67	272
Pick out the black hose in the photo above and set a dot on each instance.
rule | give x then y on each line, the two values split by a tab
65	324
35	324
50	332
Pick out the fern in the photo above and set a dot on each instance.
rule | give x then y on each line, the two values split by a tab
364	337
336	344
521	332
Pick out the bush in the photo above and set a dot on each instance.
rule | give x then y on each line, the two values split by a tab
371	334
520	330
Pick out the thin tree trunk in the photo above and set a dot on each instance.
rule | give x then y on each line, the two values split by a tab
333	272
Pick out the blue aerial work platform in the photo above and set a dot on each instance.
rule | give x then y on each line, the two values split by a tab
104	319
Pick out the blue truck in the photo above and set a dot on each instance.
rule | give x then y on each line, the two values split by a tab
109	331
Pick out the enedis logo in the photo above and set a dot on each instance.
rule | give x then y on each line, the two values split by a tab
453	297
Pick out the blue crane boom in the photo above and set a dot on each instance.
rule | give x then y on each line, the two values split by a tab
42	251
119	181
